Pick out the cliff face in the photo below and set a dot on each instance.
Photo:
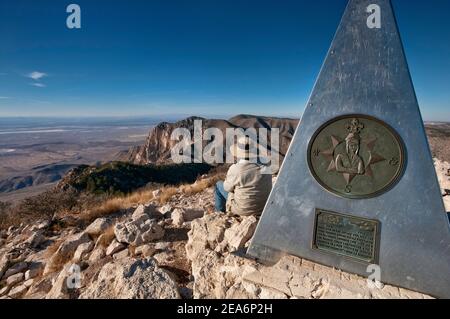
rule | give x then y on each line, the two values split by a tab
158	145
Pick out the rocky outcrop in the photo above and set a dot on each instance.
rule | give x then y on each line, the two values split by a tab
98	226
158	145
181	249
130	278
66	251
138	230
220	269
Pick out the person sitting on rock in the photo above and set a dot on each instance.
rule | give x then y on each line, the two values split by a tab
246	188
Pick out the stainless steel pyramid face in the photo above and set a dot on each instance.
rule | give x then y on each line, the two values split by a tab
358	185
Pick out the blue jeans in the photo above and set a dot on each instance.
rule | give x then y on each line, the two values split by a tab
220	196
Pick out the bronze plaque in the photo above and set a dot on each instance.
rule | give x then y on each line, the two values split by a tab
348	236
356	156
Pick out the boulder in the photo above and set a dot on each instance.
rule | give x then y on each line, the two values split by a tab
121	254
65	251
98	226
177	217
143	212
18	291
19	267
240	233
41	287
114	247
164	258
206	233
145	250
162	245
4	290
35	269
36	239
139	231
82	251
97	254
165	210
14	279
129	278
28	283
60	288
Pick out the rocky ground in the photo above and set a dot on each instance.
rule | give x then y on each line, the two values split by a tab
182	249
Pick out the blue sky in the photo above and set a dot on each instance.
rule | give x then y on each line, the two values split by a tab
194	57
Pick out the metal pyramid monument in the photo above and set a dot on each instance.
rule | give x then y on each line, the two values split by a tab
358	185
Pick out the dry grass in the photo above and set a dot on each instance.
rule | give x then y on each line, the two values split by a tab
57	264
167	193
115	204
107	237
53	247
200	185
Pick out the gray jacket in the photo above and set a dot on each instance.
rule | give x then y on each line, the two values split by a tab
248	189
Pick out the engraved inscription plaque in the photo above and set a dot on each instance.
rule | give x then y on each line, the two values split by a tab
345	235
356	156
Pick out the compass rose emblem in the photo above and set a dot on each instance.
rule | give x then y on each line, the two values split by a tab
356	156
349	163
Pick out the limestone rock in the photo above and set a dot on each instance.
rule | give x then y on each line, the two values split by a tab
144	212
114	247
4	290
207	232
177	217
82	251
240	233
121	254
98	226
145	250
34	270
162	245
129	278
164	258
41	287
28	283
18	291
165	210
66	251
97	254
19	267
35	239
139	231
14	279
60	288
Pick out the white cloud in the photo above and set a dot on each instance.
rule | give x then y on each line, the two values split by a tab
39	85
4	97
37	75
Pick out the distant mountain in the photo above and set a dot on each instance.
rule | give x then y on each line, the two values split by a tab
439	138
157	148
37	176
